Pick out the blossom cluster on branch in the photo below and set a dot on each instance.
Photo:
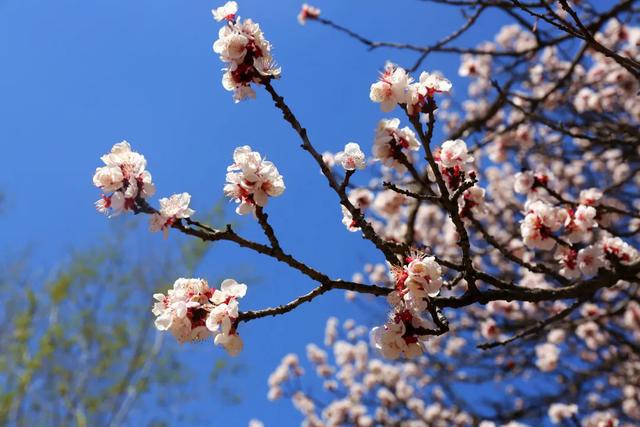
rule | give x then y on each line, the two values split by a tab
252	180
241	44
192	311
123	179
406	329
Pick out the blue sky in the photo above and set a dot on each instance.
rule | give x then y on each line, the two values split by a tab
80	75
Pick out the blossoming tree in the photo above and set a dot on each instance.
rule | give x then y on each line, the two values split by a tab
510	245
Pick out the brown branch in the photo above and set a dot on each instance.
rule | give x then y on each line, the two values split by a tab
268	230
451	37
536	268
629	64
282	309
538	328
319	290
446	202
372	44
585	288
408	193
345	181
367	230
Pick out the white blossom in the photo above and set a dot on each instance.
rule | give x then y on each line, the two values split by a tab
523	182
454	153
423	280
171	209
472	201
590	259
547	356
307	12
348	221
591	334
558	412
228	11
432	83
351	158
392	88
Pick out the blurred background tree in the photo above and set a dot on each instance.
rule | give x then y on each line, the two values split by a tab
78	346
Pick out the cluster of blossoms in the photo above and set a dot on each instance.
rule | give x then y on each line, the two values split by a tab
586	234
472	201
242	45
560	412
546	226
390	140
608	86
192	311
541	221
308	12
621	251
592	335
364	390
453	158
251	180
125	182
575	263
547	356
360	389
528	182
415	283
123	179
396	87
578	222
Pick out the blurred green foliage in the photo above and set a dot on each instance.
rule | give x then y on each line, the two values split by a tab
79	347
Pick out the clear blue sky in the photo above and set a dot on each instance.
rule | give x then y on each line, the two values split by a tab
80	75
